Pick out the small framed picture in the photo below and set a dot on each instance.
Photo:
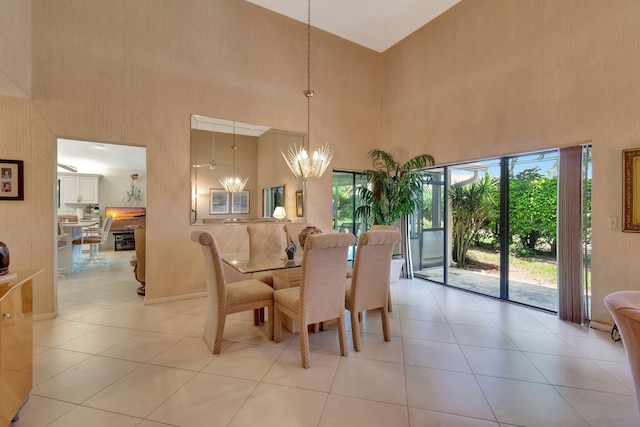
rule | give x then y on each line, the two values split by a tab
11	180
219	202
299	204
240	202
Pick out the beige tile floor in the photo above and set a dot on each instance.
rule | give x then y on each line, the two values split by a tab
455	359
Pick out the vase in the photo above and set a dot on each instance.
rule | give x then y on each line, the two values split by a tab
4	259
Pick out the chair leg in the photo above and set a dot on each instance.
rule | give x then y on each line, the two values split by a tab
277	324
271	321
385	324
256	317
342	333
218	344
304	344
389	307
355	330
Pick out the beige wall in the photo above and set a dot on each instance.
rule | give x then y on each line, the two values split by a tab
499	77
133	72
484	79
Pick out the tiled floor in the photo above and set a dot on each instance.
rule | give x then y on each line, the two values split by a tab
455	359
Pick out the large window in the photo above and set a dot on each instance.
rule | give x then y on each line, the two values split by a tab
491	227
345	201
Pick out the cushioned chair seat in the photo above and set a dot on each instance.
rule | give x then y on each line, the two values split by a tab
246	292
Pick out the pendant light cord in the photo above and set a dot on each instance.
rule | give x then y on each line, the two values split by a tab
308	92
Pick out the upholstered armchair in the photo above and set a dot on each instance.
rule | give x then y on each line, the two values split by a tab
368	288
624	307
139	260
226	298
320	296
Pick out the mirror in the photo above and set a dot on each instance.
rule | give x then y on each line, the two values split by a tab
272	197
257	157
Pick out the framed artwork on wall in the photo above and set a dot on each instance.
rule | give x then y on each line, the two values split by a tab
299	204
11	180
240	202
219	203
631	190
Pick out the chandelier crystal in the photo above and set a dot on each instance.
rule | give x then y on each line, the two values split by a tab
301	165
233	184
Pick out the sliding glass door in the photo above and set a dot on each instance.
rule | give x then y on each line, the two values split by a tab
491	227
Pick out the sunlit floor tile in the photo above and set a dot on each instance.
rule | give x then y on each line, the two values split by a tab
140	392
191	353
603	409
482	336
142	347
502	363
288	370
432	354
542	342
528	404
276	406
424	418
431	331
41	411
82	417
206	400
374	347
415	312
451	392
72	385
144	320
64	333
99	340
181	324
244	361
575	372
353	412
598	348
370	379
53	361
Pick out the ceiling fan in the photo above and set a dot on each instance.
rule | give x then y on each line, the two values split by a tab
68	167
211	164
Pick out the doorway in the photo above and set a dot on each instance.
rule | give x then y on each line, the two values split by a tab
93	177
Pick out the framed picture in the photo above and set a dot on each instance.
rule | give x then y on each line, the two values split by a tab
219	202
631	190
240	202
11	180
299	204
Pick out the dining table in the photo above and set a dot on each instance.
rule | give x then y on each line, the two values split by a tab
69	257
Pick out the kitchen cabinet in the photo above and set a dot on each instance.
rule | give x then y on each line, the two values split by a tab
79	189
16	344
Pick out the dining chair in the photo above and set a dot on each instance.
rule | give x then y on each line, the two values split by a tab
320	296
94	238
226	298
368	288
377	227
624	307
63	243
265	238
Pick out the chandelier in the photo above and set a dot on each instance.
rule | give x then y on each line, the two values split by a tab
233	184
297	159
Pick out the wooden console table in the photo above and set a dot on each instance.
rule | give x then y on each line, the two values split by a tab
16	344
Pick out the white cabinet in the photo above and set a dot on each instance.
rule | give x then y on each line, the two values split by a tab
79	189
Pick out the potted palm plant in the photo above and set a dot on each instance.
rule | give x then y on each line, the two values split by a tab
394	191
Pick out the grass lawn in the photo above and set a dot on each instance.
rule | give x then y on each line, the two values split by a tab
535	270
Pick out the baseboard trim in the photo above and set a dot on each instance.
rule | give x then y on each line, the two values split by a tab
148	301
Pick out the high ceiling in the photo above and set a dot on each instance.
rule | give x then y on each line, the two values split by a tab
376	24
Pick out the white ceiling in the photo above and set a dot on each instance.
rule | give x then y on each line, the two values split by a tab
94	157
376	24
